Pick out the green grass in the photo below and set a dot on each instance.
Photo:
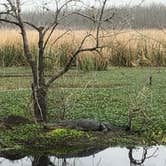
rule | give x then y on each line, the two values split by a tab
104	96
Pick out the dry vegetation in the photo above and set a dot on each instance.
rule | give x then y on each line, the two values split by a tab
125	48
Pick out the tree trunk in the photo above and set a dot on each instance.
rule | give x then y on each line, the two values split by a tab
39	103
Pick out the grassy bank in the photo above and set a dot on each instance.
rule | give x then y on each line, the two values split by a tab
106	96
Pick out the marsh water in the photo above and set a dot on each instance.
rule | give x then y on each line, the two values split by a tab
149	156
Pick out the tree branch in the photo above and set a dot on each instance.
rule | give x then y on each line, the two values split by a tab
9	21
31	25
55	22
59	37
99	23
49	35
85	16
67	66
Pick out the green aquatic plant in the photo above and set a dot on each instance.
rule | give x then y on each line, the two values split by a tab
61	133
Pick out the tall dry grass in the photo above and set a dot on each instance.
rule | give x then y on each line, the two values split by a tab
125	48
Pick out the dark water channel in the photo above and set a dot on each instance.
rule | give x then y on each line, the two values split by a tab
151	156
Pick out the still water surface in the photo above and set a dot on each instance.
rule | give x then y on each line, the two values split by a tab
153	156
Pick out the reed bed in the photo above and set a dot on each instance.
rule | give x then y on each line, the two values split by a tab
125	48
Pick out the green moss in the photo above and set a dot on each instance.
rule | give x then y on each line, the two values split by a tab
66	133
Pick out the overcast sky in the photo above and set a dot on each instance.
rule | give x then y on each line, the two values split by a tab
138	1
132	2
92	2
114	2
29	4
120	2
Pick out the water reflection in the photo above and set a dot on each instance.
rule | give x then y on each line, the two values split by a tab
41	161
111	156
144	156
49	161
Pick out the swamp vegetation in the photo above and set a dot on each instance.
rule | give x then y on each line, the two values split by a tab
105	96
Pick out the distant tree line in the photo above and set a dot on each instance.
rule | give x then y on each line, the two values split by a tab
140	17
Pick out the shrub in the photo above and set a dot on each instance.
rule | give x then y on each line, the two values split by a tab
121	56
12	55
65	51
92	61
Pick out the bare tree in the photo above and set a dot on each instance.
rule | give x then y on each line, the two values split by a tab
11	12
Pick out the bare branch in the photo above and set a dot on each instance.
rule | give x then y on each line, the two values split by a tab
67	66
99	23
4	13
31	25
85	16
109	18
59	37
12	6
56	21
9	21
50	34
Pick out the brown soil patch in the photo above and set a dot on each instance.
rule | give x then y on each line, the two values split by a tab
13	120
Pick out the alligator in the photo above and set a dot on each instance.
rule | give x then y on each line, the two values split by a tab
79	124
90	125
